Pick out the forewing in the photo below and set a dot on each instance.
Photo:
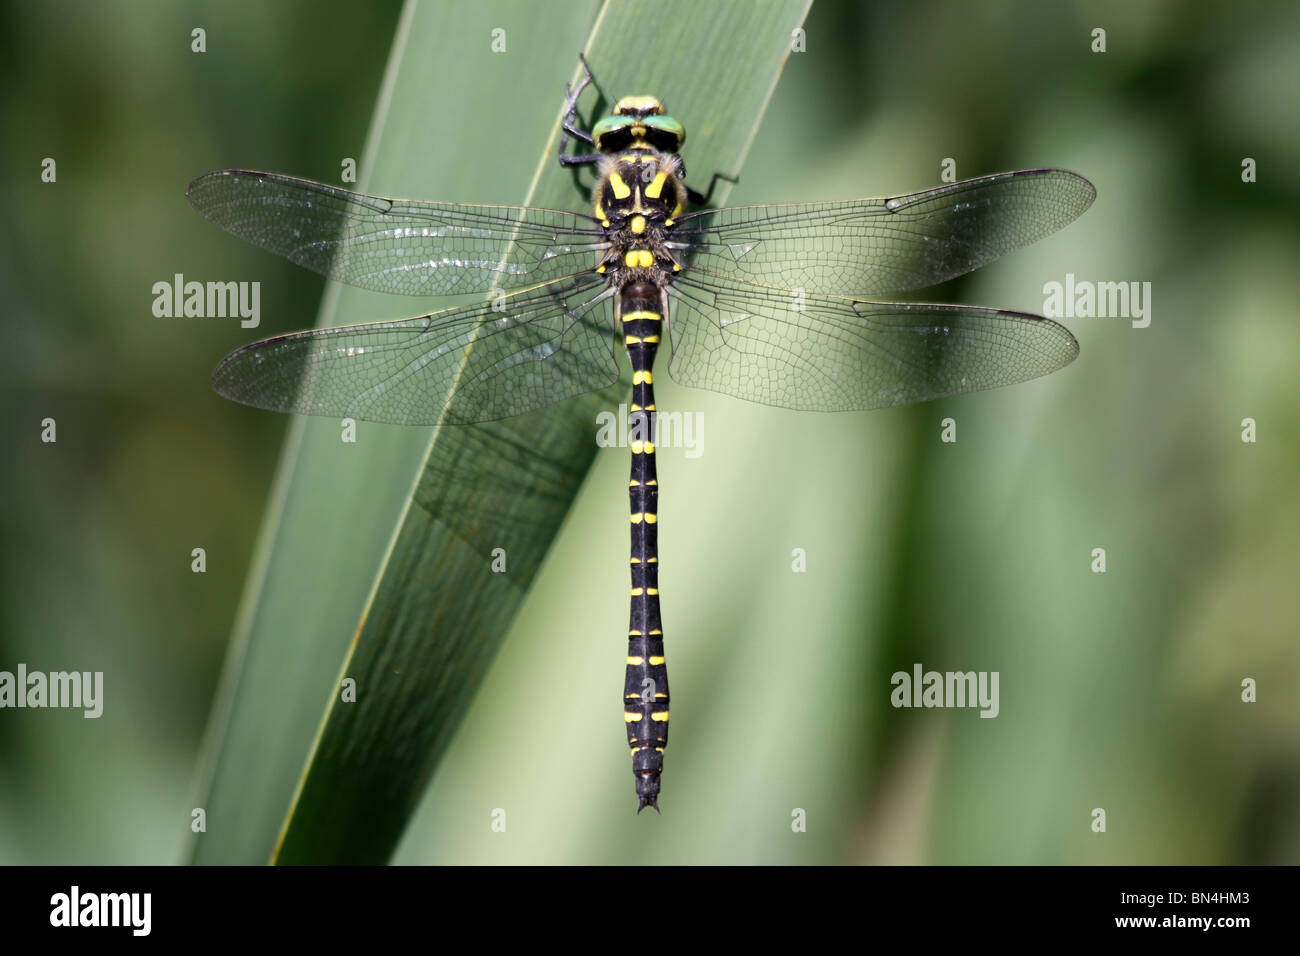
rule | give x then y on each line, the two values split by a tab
406	247
824	353
475	363
871	247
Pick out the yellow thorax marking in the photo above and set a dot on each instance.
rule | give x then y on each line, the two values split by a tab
638	257
621	190
656	187
638	223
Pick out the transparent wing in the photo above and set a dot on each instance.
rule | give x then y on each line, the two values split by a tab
474	363
402	246
824	353
871	247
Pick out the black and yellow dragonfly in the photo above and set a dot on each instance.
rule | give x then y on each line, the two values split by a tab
770	303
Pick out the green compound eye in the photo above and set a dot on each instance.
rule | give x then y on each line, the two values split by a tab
618	132
606	128
672	134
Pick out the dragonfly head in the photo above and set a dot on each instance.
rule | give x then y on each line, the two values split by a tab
638	122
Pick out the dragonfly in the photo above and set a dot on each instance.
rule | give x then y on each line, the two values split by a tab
774	304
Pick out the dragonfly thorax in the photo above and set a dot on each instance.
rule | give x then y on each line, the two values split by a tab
638	194
639	182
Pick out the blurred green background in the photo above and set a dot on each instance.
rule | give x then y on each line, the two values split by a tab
1118	690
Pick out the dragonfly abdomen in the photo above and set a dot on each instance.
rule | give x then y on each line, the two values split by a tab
645	689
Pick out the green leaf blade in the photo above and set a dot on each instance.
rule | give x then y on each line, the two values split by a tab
377	568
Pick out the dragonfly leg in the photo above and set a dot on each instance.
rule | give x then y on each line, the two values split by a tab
569	121
571	130
702	200
581	159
